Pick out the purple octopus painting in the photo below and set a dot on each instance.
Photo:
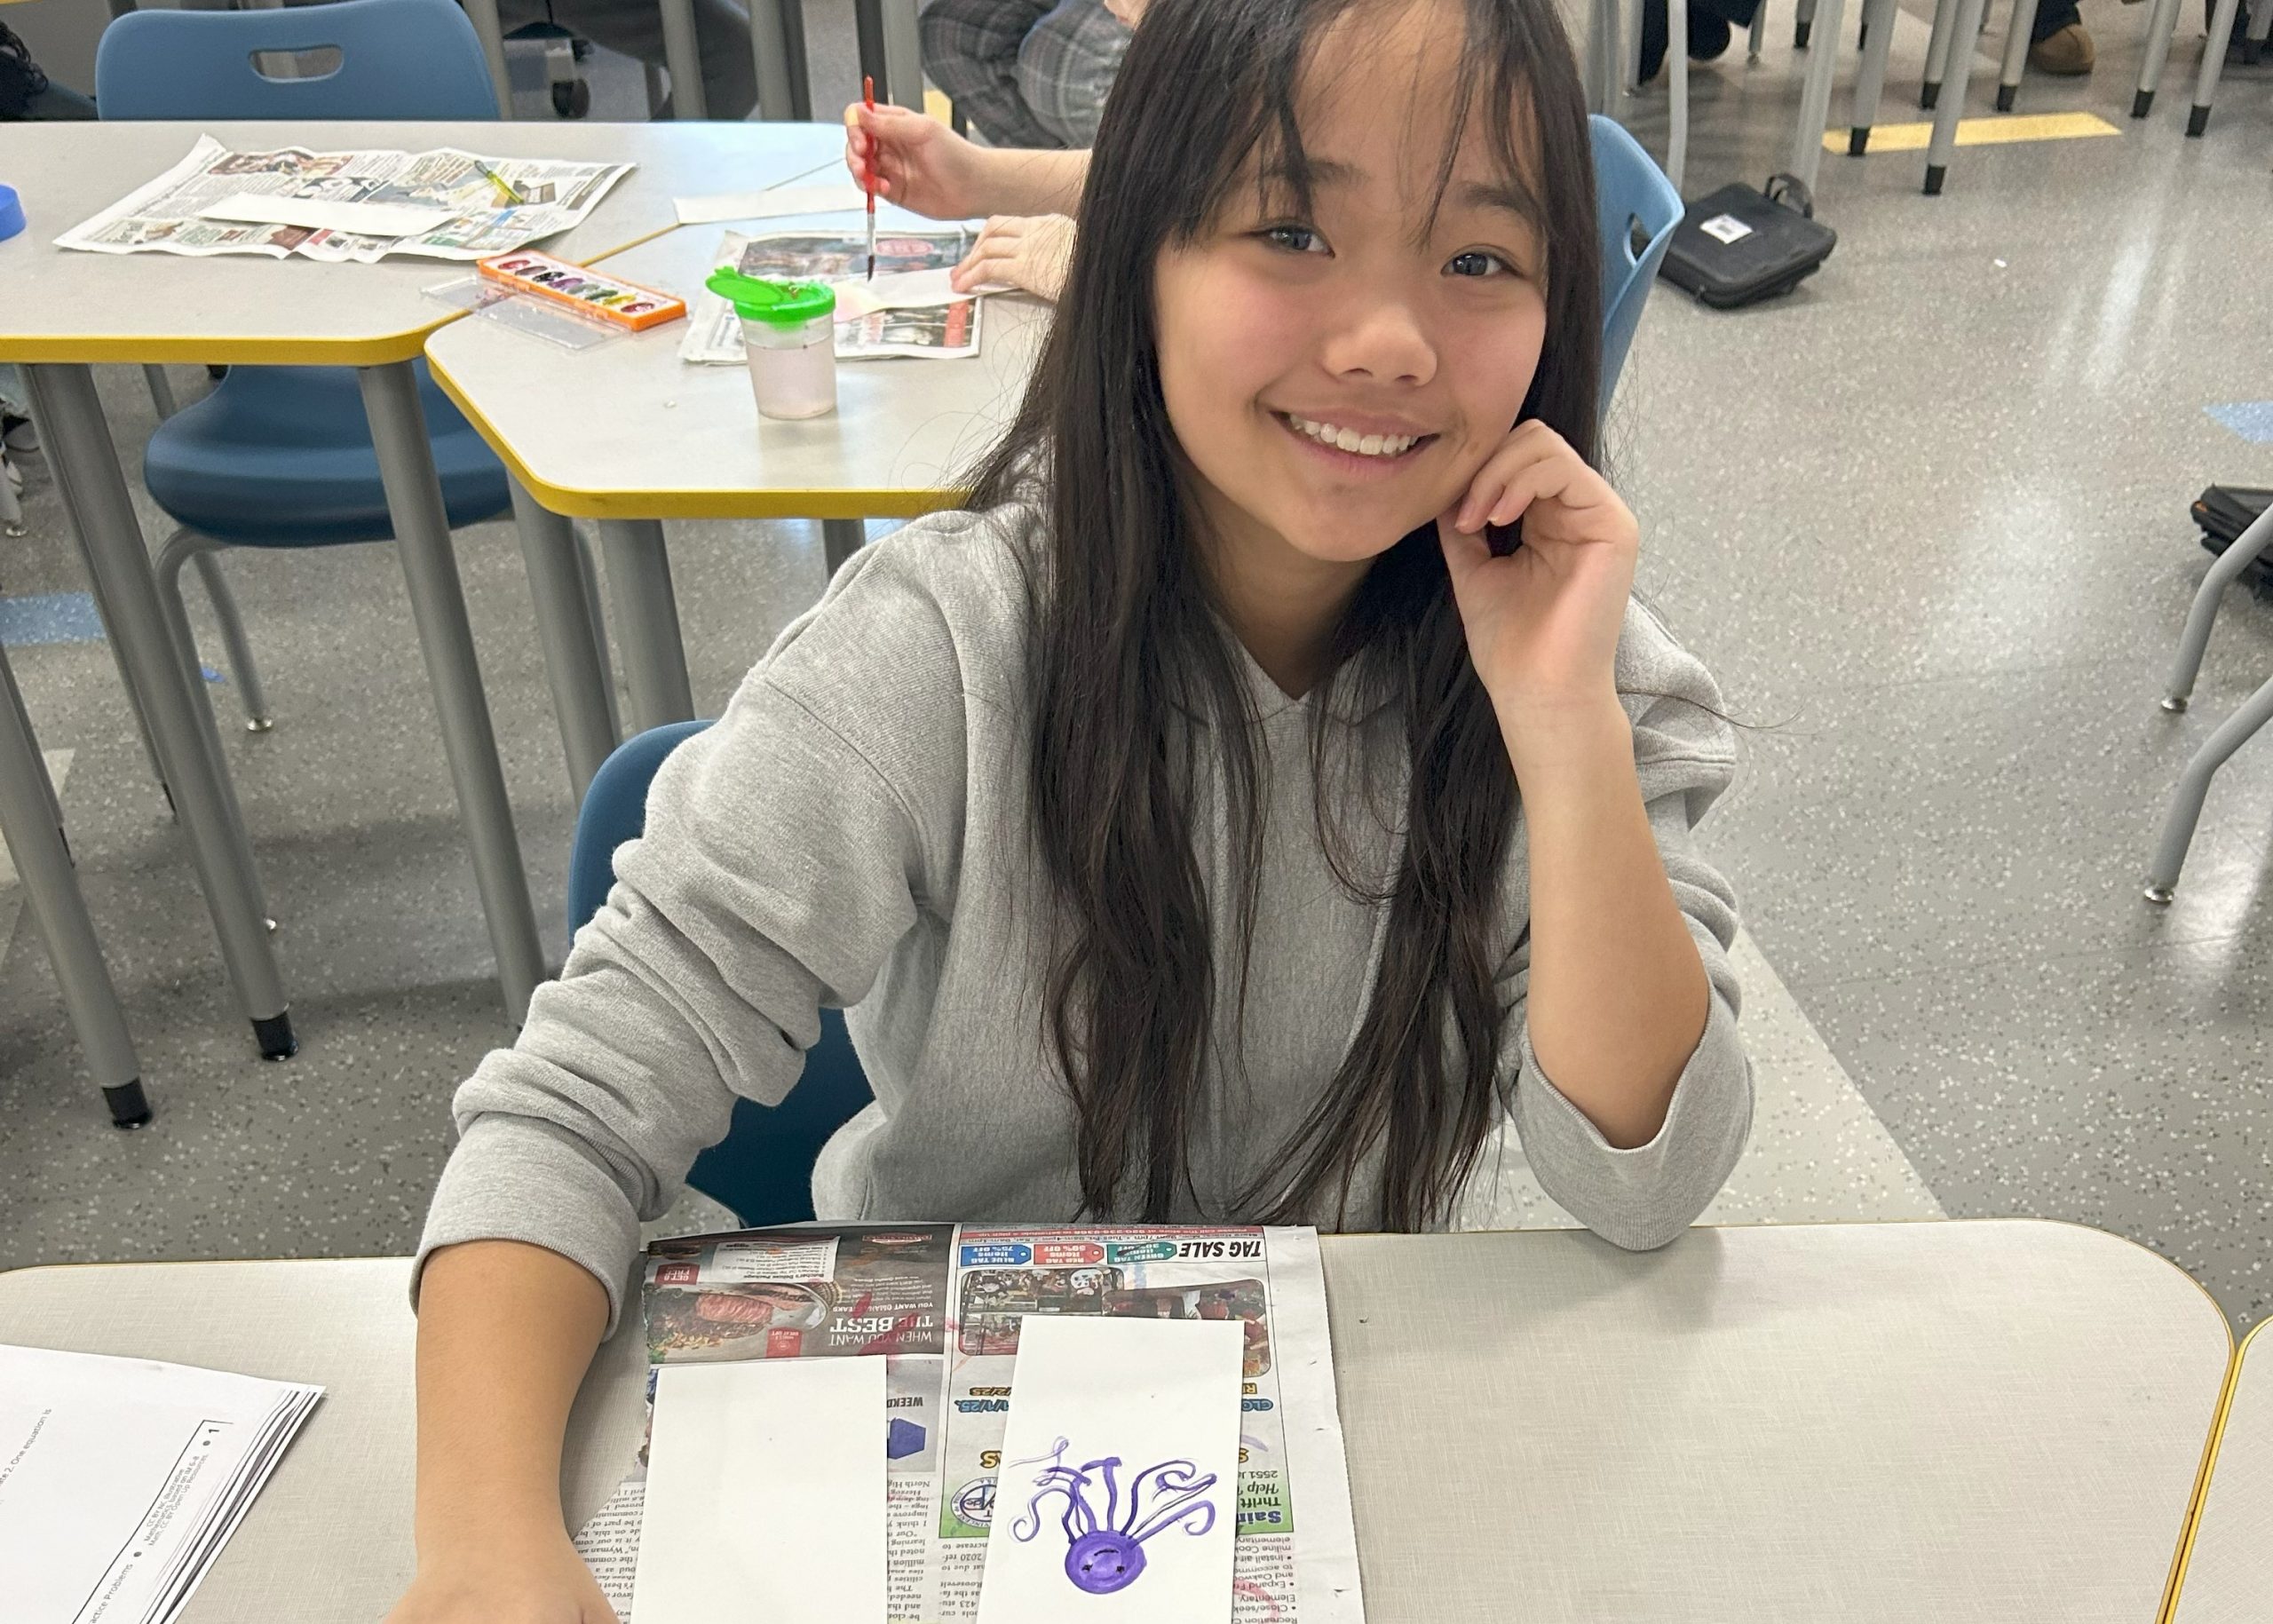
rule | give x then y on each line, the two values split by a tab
1106	1522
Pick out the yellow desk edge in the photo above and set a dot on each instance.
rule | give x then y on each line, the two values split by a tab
2209	1467
379	351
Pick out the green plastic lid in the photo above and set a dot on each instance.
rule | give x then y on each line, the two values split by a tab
775	303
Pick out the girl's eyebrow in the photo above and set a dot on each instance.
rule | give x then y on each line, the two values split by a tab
1507	196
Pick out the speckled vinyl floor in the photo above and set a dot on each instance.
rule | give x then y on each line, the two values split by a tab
1926	518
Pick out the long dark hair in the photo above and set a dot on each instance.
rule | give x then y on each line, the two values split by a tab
1127	664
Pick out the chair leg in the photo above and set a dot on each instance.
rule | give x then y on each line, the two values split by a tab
162	391
2161	25
2195	639
2214	62
2016	44
258	718
181	547
2185	811
1870	76
1937	54
1802	24
1967	25
1759	31
2261	27
1677	111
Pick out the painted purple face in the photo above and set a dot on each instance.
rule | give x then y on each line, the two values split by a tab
1106	1552
1104	1562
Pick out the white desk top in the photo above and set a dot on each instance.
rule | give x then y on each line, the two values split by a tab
1821	1424
652	438
2229	1567
67	306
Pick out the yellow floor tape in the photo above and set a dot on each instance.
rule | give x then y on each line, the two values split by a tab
1980	131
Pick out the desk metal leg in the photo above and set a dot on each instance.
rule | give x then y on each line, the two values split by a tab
1964	33
769	49
28	819
2214	62
564	629
1938	55
483	15
2016	44
421	538
2161	24
840	539
647	621
683	60
79	450
1870	78
1815	95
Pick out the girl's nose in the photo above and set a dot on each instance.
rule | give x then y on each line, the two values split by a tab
1380	341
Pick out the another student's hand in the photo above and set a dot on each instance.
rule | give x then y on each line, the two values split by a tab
1029	251
502	1583
1543	621
918	161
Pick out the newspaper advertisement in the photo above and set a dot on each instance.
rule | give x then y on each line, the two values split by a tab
470	207
935	331
942	1304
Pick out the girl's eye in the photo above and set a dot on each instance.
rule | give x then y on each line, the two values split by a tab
1476	262
1295	239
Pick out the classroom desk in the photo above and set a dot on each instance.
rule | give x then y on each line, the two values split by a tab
2229	1572
678	441
31	825
63	310
1822	1424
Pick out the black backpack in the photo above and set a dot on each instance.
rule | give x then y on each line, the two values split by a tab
21	78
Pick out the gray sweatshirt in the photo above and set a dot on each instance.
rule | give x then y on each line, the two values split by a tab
854	832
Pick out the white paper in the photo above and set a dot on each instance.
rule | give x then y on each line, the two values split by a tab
861	296
1726	227
121	1480
766	1494
1119	1494
717	206
367	219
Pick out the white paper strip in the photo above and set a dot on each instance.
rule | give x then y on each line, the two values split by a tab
860	296
1117	1495
364	219
766	1494
768	205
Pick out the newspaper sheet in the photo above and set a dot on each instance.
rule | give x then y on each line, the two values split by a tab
937	331
169	216
942	1304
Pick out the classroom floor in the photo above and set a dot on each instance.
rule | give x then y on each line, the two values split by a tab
1926	519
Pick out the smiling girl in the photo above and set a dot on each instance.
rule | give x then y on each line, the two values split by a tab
1263	790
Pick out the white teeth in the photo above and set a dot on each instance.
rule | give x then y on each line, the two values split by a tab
1349	440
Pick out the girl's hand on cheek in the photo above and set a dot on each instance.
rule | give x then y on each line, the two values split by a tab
1543	621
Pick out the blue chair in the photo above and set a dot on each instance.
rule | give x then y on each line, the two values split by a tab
282	456
763	1168
1630	193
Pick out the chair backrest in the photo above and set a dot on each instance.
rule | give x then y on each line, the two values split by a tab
397	59
763	1168
1630	191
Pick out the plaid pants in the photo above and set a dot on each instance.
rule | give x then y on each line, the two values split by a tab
1025	73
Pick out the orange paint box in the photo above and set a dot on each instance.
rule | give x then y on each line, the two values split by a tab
592	292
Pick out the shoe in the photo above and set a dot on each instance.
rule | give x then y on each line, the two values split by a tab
16	432
1708	36
2066	54
1655	32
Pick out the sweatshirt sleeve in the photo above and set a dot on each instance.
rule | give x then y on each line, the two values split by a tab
782	859
1644	1197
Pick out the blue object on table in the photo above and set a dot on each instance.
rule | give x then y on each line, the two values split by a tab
1629	189
12	213
763	1168
282	456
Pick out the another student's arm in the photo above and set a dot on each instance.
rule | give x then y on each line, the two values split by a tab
505	1331
919	164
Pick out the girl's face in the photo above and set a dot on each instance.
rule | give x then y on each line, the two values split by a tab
1335	379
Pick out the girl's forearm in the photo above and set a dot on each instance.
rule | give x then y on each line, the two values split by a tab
1019	180
505	1332
1618	995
